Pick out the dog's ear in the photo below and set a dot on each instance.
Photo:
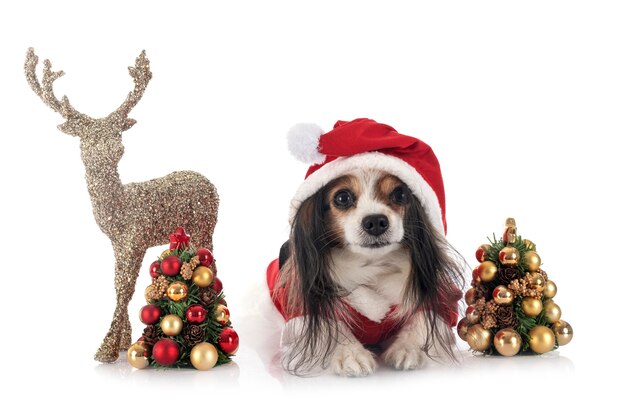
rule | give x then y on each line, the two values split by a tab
311	292
436	275
420	240
310	253
283	254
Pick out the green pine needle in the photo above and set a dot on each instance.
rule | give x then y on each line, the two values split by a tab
526	323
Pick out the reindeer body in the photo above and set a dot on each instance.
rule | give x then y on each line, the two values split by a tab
135	216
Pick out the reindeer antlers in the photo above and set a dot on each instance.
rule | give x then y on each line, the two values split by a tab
141	75
44	90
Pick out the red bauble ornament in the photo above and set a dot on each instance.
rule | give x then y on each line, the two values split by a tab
223	302
170	265
475	275
195	314
229	341
149	314
217	285
480	255
205	256
166	352
154	269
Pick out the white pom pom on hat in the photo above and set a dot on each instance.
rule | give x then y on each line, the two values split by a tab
303	141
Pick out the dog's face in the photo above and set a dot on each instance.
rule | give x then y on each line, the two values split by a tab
365	211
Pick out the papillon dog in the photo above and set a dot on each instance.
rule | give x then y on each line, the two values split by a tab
364	275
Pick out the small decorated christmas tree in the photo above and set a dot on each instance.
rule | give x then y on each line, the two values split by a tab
187	321
510	305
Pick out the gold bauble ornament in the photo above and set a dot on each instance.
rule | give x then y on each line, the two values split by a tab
481	252
532	261
470	296
537	281
549	289
138	355
461	328
149	290
202	276
471	315
530	246
531	306
478	338
171	325
177	291
203	356
563	332
541	339
507	342
502	295
222	315
487	271
165	253
552	311
509	256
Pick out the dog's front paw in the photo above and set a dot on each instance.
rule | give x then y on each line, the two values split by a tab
402	355
352	360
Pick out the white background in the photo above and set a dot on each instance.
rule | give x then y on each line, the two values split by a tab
523	102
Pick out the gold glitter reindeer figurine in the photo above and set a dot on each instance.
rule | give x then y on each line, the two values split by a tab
134	216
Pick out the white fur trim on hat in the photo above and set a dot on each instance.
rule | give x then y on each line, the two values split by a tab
378	161
303	140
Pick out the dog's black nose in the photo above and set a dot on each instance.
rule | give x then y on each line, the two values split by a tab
375	224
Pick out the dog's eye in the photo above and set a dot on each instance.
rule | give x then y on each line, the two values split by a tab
400	195
343	199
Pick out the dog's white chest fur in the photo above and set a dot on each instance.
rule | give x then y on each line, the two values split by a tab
375	282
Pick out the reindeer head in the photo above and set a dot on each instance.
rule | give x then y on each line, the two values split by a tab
97	135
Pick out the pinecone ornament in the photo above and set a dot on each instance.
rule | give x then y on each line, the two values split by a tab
508	274
207	297
193	334
506	318
150	335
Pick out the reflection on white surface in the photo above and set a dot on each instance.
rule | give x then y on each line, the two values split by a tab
552	361
257	364
122	370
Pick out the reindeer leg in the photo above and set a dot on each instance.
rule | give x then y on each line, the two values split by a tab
127	265
132	274
126	338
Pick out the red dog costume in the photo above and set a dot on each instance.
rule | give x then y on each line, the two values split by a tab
355	144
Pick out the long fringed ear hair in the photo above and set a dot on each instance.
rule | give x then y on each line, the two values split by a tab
311	292
436	278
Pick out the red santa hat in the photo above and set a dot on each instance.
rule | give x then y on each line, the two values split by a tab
364	143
